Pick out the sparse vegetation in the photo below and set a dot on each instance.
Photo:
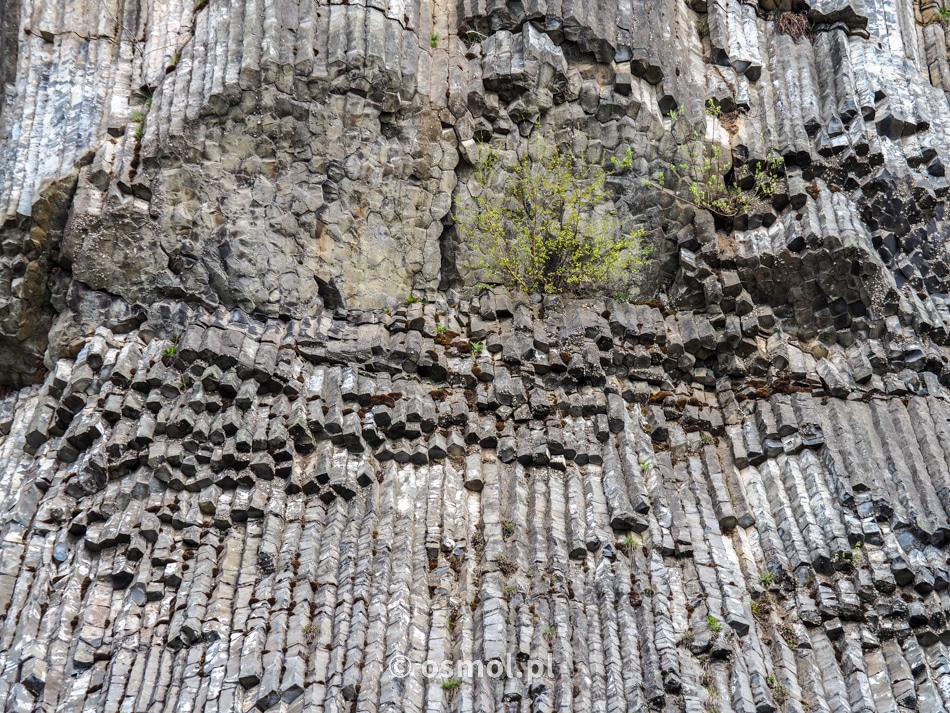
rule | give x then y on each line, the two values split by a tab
850	560
170	352
140	131
702	27
506	566
779	691
715	625
454	615
698	176
706	439
441	328
434	40
310	632
943	16
477	347
452	684
788	636
545	223
645	465
508	527
795	25
550	631
414	299
766	579
471	37
137	117
622	165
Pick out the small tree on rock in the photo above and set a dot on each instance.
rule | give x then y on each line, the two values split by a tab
702	167
546	223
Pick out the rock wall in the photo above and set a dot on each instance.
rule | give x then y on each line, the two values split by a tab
279	158
240	469
304	515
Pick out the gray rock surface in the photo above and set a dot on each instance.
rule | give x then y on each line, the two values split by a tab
271	511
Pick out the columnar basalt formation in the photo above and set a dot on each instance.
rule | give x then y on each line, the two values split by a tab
267	444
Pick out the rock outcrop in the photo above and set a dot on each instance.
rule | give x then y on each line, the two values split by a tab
267	445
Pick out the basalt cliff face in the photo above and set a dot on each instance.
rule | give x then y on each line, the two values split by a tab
240	470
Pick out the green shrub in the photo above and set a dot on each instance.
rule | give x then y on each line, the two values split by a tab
701	168
546	223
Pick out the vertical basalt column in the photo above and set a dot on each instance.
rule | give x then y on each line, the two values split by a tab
9	45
